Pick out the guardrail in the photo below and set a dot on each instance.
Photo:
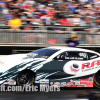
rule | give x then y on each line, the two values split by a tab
45	38
48	27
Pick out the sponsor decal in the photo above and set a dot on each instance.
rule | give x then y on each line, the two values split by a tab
84	55
1	62
83	81
57	83
75	67
76	58
89	85
90	79
51	83
10	82
63	84
85	66
32	55
44	82
88	65
88	82
69	83
75	82
81	85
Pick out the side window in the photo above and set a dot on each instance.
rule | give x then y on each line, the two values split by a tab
92	55
61	56
78	55
72	55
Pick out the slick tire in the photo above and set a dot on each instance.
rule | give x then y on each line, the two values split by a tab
25	77
97	80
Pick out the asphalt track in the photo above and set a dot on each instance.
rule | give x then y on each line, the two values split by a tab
64	94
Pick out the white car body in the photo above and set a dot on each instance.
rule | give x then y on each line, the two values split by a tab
84	67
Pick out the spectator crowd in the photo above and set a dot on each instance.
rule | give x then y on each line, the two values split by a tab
51	12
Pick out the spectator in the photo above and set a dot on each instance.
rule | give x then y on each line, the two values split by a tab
82	22
7	17
46	19
97	21
75	20
28	13
72	7
5	11
80	12
2	4
65	22
47	11
37	21
23	16
72	41
83	1
88	19
27	2
29	37
51	11
43	10
15	22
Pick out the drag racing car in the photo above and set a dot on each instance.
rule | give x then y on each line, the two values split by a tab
53	66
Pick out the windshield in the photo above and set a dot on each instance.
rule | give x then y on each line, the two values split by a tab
42	53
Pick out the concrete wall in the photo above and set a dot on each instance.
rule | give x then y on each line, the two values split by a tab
4	50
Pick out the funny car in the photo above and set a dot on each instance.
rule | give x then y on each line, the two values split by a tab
53	66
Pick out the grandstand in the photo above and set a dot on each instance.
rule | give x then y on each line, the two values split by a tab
41	23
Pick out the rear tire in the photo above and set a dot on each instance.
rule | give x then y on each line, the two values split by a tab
25	77
97	80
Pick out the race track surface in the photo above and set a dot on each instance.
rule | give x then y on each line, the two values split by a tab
64	94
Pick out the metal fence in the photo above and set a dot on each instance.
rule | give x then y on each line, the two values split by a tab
45	38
